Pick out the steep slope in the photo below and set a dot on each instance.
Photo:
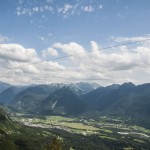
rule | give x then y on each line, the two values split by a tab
104	97
114	95
75	89
6	127
136	101
63	102
94	97
7	95
4	86
30	98
126	101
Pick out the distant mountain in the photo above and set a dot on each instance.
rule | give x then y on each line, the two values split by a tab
87	87
126	100
94	96
30	98
72	99
134	106
135	101
103	97
75	89
4	86
7	95
63	102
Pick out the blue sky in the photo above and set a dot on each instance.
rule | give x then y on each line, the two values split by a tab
39	23
50	26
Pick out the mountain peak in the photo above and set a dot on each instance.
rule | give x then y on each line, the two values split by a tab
113	86
128	84
63	101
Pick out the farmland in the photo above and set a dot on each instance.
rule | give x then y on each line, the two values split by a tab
82	126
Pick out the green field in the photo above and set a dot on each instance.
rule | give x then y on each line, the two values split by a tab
81	126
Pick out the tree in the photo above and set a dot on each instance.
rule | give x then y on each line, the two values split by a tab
54	145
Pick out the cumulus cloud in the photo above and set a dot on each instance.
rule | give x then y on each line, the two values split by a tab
49	52
71	48
16	52
102	65
21	65
119	65
94	46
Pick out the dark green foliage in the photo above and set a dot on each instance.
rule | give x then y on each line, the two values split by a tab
3	116
94	142
55	144
6	143
29	138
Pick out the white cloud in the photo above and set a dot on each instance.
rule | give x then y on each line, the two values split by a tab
71	48
35	9
48	8
122	64
16	52
49	52
23	66
67	7
130	39
64	10
102	65
94	45
144	54
88	8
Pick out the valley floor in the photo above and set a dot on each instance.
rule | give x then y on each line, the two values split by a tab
109	131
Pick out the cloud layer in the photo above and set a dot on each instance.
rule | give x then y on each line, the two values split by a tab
20	65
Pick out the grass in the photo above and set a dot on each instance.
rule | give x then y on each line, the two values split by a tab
107	137
139	141
106	131
80	126
66	122
141	129
59	118
79	131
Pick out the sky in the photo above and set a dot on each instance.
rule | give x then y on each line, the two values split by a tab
34	34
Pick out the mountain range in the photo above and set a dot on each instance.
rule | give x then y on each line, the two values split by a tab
32	98
126	100
121	99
